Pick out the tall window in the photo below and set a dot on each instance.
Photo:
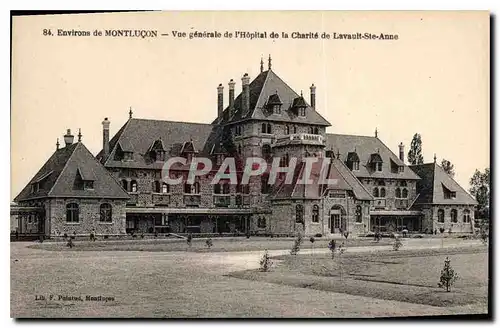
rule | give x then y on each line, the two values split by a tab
299	213
405	193
379	166
441	215
287	129
294	129
125	185
261	222
265	187
359	214
106	213
466	216
316	130
156	186
192	189
398	193
375	192
382	192
355	166
164	188
302	111
315	213
72	213
133	186
453	215
239	149
267	128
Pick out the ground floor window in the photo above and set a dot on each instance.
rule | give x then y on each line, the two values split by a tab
441	215
72	213
453	215
106	212
466	216
261	222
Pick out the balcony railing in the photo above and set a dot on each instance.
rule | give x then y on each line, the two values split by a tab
401	203
379	203
192	199
242	200
161	199
222	200
301	137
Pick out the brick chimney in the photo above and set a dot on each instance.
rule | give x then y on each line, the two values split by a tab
245	94
231	96
105	136
68	137
402	152
313	96
220	100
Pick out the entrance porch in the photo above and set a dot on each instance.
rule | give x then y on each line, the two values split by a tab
395	221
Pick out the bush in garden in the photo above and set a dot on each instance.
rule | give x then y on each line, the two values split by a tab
70	243
448	276
189	239
209	243
92	236
318	235
265	262
397	243
441	230
296	245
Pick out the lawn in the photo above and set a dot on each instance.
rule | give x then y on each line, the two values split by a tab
407	276
235	244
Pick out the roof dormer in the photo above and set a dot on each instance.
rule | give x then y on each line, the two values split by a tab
352	160
274	104
157	150
299	106
376	161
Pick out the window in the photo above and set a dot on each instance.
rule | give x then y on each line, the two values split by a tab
382	192
405	193
316	130
225	188
302	111
315	213
453	215
156	186
441	215
380	183
88	184
237	130
355	166
243	189
133	186
466	216
261	222
217	188
299	213
294	129
398	193
239	149
375	192
106	212
192	189
72	213
359	214
402	183
379	167
267	128
277	109
265	187
164	188
125	185
287	129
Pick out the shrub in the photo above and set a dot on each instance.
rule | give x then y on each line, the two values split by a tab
65	235
265	262
296	245
70	243
92	236
209	243
346	234
448	276
311	240
142	235
318	235
377	236
189	239
484	236
441	230
247	234
397	244
105	236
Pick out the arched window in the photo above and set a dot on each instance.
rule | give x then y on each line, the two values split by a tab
125	185
133	186
294	129
466	216
299	213
106	213
405	193
287	129
165	188
359	214
375	192
315	213
311	130
382	192
398	193
403	183
453	215
72	213
441	215
269	128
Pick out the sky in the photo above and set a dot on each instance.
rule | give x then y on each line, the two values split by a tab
432	80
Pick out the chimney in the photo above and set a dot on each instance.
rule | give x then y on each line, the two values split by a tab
245	94
220	100
105	136
402	152
313	96
68	137
231	96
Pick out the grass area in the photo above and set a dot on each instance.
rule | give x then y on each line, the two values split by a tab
406	276
199	245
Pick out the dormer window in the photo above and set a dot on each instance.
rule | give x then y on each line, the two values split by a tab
274	104
355	166
128	156
299	105
352	161
447	193
376	162
302	111
84	179
88	185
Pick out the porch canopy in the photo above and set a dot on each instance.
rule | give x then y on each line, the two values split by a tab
16	210
193	210
396	213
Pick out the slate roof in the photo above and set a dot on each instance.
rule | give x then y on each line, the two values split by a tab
140	134
365	146
58	176
430	187
337	171
262	88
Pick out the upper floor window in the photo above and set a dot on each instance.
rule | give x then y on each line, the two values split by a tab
277	109
238	130
72	213
125	185
243	189
266	150
287	129
133	186
359	214
265	187
405	193
379	167
382	192
261	222
441	215
355	166
165	188
294	129
267	128
302	111
398	193
453	215
105	212
192	188
466	216
375	192
315	213
88	184
156	186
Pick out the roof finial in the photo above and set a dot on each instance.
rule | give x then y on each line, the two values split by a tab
79	135
261	64
435	158
130	112
301	94
376	133
269	62
354	148
57	144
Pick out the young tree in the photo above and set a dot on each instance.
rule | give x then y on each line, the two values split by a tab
448	167
415	152
265	262
296	245
448	276
209	243
480	189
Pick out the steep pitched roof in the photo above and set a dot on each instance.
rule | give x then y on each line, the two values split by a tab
58	174
140	134
366	146
262	89
337	172
430	187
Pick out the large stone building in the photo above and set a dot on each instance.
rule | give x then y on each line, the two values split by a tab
122	189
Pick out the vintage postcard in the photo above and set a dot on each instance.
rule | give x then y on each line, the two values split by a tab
262	164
